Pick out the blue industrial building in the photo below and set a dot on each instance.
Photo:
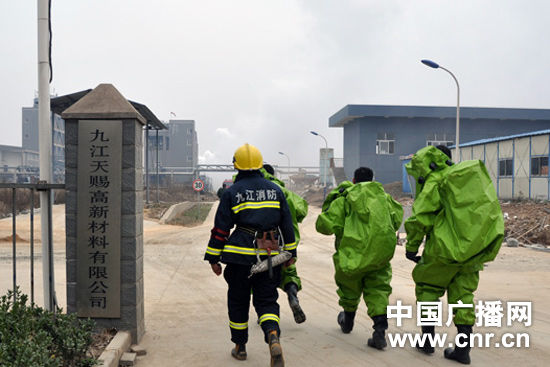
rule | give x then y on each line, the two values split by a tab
378	135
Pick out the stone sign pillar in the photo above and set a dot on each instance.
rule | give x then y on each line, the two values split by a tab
104	210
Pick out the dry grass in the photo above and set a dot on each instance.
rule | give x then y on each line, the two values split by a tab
192	216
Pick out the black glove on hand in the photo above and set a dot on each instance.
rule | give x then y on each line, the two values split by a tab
412	256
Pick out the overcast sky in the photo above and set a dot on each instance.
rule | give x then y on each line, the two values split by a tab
268	72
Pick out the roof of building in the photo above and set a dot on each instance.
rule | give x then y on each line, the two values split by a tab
62	103
351	112
501	138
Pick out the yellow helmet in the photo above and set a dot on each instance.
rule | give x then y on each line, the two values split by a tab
247	157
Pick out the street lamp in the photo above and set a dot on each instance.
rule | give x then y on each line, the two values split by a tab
288	158
326	159
435	65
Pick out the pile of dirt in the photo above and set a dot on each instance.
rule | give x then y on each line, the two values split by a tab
395	189
18	239
527	221
314	195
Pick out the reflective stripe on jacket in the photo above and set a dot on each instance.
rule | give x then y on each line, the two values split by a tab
251	202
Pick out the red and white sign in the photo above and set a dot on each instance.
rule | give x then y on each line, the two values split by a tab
198	185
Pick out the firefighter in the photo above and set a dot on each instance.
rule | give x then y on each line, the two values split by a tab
364	219
259	212
456	208
291	282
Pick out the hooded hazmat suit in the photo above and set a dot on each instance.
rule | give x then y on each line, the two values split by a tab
298	210
456	208
365	220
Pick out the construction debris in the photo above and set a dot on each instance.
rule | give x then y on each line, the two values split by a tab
528	222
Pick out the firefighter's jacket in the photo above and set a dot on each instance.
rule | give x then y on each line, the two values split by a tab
251	204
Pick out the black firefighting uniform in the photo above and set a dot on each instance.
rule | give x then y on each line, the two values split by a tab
251	204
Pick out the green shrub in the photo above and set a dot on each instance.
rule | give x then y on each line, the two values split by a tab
33	337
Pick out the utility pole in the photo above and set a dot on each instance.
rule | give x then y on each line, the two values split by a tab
45	147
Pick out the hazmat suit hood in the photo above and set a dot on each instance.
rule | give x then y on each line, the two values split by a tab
424	162
340	190
270	177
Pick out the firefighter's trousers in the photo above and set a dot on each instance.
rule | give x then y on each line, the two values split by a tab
264	298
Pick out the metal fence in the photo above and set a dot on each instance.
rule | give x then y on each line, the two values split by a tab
33	188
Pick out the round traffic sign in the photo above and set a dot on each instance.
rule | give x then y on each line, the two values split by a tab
198	185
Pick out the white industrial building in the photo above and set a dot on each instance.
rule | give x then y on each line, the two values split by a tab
517	164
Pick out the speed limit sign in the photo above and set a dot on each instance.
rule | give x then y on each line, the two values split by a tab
198	185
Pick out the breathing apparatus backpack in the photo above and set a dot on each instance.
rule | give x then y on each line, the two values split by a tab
470	226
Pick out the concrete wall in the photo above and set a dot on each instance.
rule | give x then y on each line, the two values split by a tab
352	145
410	134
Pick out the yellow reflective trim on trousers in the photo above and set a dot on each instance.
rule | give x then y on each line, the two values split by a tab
256	205
291	246
269	316
246	250
213	251
238	325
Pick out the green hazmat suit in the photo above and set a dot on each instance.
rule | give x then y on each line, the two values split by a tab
457	209
364	219
298	210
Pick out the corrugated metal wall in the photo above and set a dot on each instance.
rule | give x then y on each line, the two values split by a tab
522	184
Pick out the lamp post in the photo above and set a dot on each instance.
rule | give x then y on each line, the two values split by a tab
288	158
326	160
435	65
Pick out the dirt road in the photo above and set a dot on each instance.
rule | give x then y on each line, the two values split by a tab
186	314
187	320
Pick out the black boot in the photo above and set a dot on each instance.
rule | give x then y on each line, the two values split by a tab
291	290
427	348
239	352
461	354
345	320
380	326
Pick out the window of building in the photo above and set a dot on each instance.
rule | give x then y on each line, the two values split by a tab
189	159
189	141
506	167
167	143
436	139
385	143
539	166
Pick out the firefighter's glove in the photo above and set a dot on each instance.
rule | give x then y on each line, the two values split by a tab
413	256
